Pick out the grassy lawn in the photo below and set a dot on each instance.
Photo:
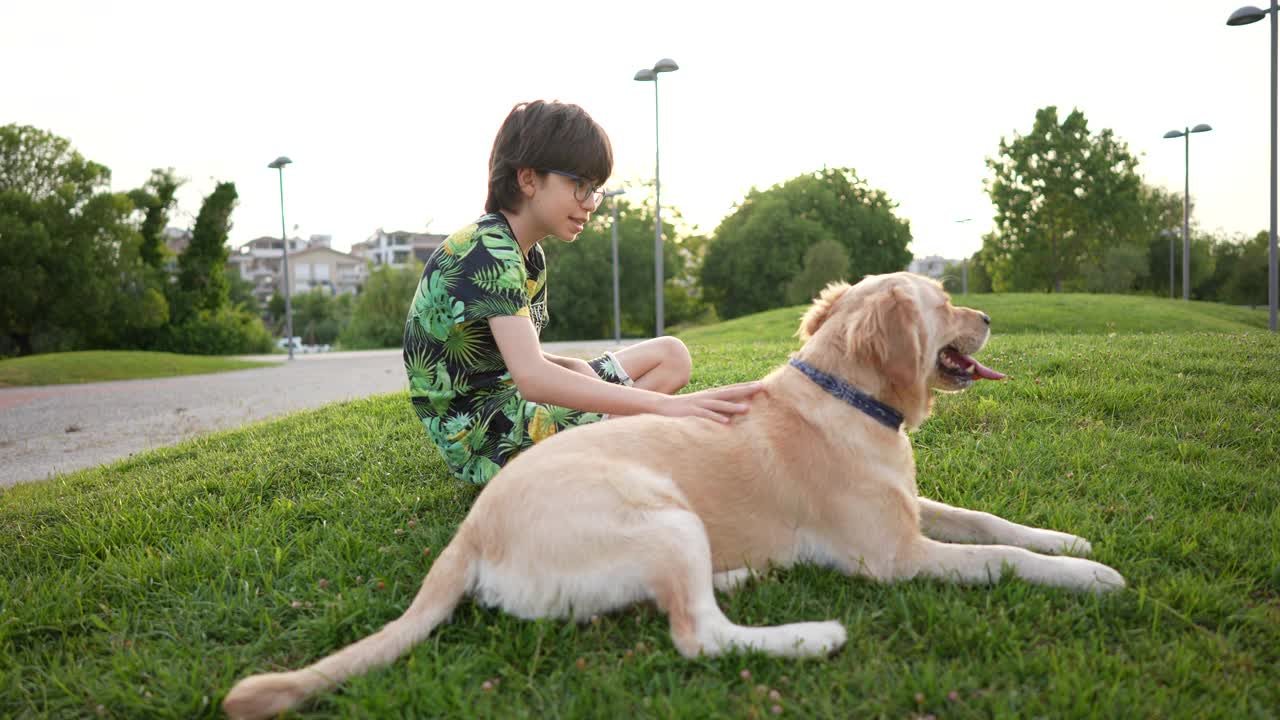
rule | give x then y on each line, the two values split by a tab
104	365
148	587
1033	313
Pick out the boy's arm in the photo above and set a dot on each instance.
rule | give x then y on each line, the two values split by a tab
541	380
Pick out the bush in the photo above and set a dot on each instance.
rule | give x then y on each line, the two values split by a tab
825	261
377	320
223	332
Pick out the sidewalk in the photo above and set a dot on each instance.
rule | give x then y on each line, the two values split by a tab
51	429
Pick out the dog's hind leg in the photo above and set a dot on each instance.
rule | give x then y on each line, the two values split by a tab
678	561
269	694
732	580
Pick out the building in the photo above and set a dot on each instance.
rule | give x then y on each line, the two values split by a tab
933	266
397	248
320	266
312	264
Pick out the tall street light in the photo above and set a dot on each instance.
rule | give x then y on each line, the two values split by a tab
278	164
1245	16
647	75
1186	203
964	264
617	302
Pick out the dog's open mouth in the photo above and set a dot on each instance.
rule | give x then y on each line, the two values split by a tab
963	367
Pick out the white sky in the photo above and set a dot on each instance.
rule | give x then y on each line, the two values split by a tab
388	110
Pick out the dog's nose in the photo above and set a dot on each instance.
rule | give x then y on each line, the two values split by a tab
985	318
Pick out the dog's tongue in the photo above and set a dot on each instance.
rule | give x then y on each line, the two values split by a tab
979	370
982	371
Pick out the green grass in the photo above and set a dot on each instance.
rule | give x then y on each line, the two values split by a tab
104	365
147	588
1034	313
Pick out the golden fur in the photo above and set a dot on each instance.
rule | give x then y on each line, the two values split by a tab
663	509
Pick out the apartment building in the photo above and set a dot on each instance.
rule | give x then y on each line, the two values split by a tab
312	264
932	266
397	248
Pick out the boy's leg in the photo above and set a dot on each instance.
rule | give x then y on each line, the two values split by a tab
661	364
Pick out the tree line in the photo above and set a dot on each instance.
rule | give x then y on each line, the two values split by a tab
84	267
1073	214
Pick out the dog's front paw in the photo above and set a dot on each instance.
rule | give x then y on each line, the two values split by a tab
1105	579
1060	543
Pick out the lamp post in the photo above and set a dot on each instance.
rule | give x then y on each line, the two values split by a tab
1245	16
1186	203
617	302
278	164
964	265
651	75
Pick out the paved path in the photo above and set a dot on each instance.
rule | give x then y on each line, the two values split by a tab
51	429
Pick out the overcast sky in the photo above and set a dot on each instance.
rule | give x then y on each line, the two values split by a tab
388	110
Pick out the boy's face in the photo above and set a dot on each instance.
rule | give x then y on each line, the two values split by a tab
553	200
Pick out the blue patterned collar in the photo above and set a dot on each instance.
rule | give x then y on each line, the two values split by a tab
882	413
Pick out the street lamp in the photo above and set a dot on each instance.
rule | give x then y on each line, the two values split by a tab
964	265
1245	16
1186	204
278	164
617	302
647	75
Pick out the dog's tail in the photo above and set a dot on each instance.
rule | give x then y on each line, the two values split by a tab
269	694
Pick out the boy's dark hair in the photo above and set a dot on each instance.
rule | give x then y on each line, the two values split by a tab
545	136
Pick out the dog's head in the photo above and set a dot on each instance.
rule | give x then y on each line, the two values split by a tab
896	336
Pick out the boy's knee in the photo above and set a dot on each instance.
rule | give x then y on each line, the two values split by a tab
675	356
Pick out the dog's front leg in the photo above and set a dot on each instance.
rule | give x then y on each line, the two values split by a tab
985	564
945	522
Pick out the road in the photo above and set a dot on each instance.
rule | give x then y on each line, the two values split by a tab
52	429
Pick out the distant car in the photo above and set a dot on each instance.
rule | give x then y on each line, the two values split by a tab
283	343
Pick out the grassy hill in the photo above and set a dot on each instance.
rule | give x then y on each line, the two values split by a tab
146	588
104	365
1034	313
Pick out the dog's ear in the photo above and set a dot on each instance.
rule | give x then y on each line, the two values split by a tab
820	310
888	333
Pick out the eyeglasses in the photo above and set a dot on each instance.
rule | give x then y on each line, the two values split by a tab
582	187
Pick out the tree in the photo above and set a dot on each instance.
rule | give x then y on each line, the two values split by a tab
824	261
1163	211
758	249
155	199
979	279
319	316
240	291
1247	282
70	277
580	276
41	165
378	318
202	284
1122	267
1063	196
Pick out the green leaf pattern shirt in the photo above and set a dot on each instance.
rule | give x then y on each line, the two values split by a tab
459	385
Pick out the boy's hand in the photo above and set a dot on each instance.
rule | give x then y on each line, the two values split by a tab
719	404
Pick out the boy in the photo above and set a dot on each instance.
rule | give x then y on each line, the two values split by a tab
478	378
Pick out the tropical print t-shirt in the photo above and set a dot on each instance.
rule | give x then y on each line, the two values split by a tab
459	385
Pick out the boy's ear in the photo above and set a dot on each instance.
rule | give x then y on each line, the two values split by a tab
525	178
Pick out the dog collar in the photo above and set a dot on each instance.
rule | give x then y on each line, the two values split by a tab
882	413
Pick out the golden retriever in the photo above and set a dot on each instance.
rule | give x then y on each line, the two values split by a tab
820	470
